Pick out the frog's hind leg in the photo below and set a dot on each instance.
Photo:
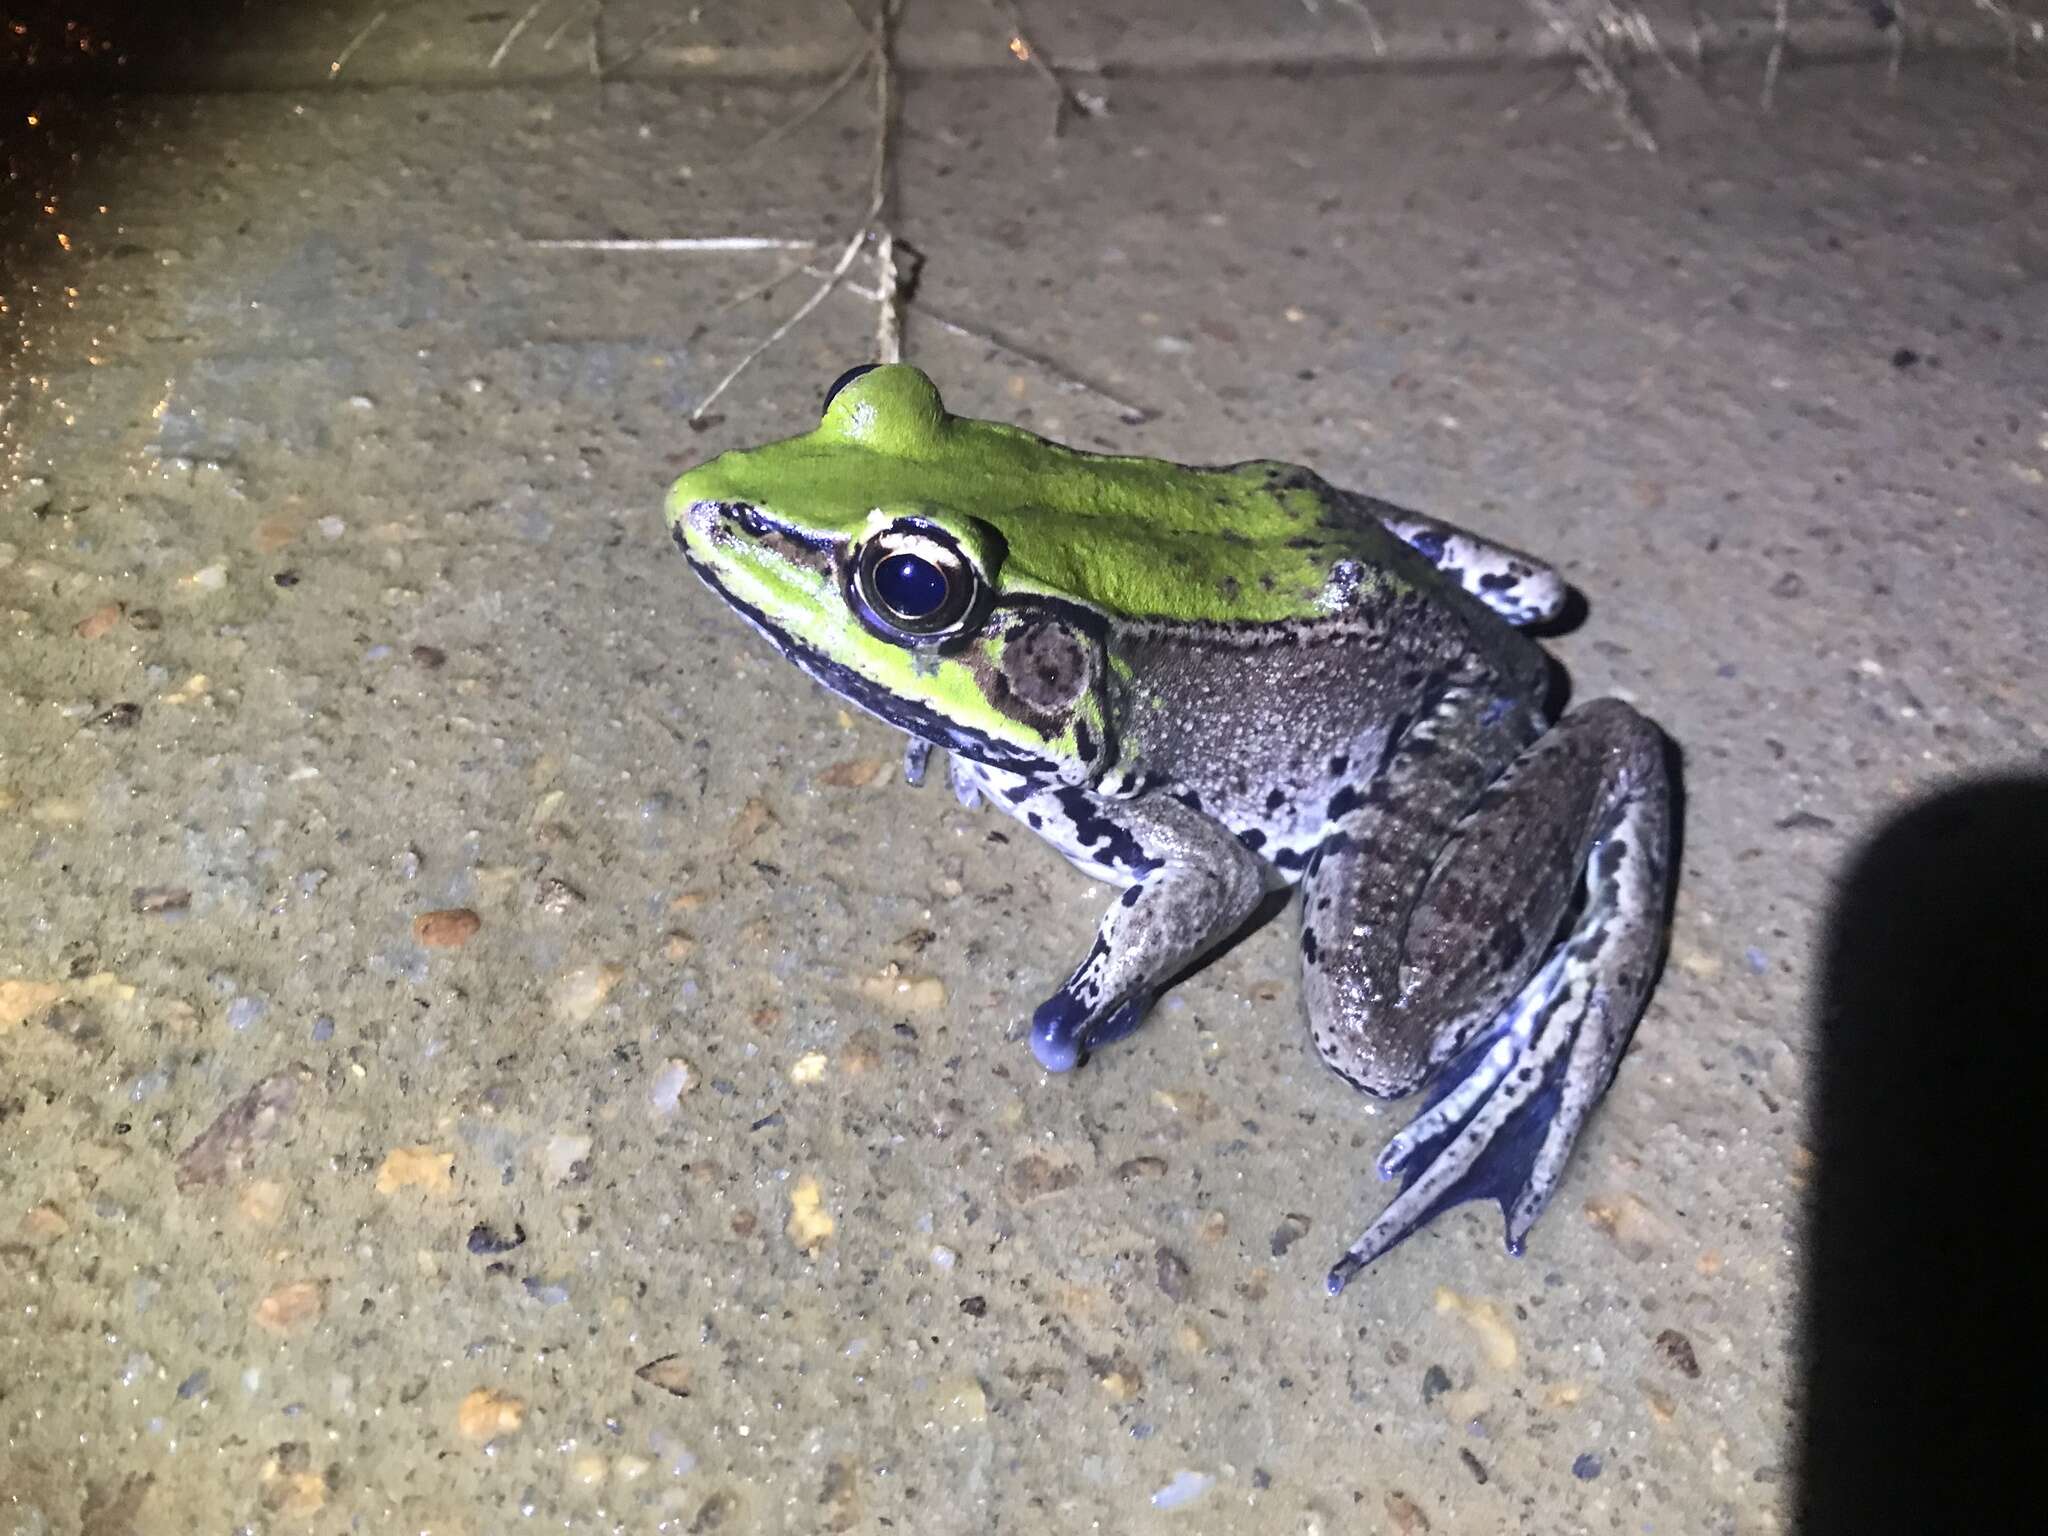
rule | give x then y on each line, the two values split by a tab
1572	841
1189	884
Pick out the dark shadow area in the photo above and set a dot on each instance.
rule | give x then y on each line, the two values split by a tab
1925	1409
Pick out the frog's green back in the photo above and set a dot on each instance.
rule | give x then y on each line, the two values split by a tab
1136	537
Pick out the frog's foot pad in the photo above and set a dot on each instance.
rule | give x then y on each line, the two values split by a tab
1503	1113
1064	1029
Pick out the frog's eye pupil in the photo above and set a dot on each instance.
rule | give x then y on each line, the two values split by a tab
842	381
911	587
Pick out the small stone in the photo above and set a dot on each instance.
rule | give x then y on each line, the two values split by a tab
273	534
944	1258
1486	1320
1034	1176
331	527
117	717
249	1123
261	1202
432	657
754	818
808	1068
1587	1467
487	1413
487	1239
676	1078
1436	1381
1406	1514
417	1167
448	928
556	897
630	1469
44	1223
861	1055
677	945
1136	1168
960	1403
159	898
1171	1272
287	1485
581	992
809	1223
854	773
289	1306
1122	1382
1184	1488
565	1160
1677	1348
210	578
1191	1340
21	1001
668	1373
246	1012
911	994
587	1471
1292	1229
974	1306
98	622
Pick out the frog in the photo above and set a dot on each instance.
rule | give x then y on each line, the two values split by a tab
1211	687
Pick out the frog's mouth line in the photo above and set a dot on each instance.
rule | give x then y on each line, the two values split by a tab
905	714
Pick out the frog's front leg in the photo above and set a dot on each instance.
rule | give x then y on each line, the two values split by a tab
1514	1001
1188	885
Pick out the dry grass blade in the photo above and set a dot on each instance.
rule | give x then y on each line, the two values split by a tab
361	37
818	103
518	29
803	310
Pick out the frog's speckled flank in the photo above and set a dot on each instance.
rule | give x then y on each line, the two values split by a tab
1201	684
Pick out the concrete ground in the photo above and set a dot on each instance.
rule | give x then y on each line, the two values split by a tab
483	1044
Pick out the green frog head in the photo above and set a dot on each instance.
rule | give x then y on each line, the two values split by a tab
962	578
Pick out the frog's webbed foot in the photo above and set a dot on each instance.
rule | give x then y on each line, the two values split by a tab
1188	885
1502	1113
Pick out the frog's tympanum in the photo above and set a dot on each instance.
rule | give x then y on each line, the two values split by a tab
1203	685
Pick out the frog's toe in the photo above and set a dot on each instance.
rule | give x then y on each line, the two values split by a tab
1064	1028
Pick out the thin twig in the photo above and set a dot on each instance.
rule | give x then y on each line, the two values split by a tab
817	103
748	295
362	37
1129	410
568	21
674	24
680	243
1777	57
803	310
1587	40
1021	44
518	27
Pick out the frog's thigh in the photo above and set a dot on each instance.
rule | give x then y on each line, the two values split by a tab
1191	883
1538	1027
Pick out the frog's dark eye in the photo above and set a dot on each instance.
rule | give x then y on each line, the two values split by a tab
912	584
842	381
